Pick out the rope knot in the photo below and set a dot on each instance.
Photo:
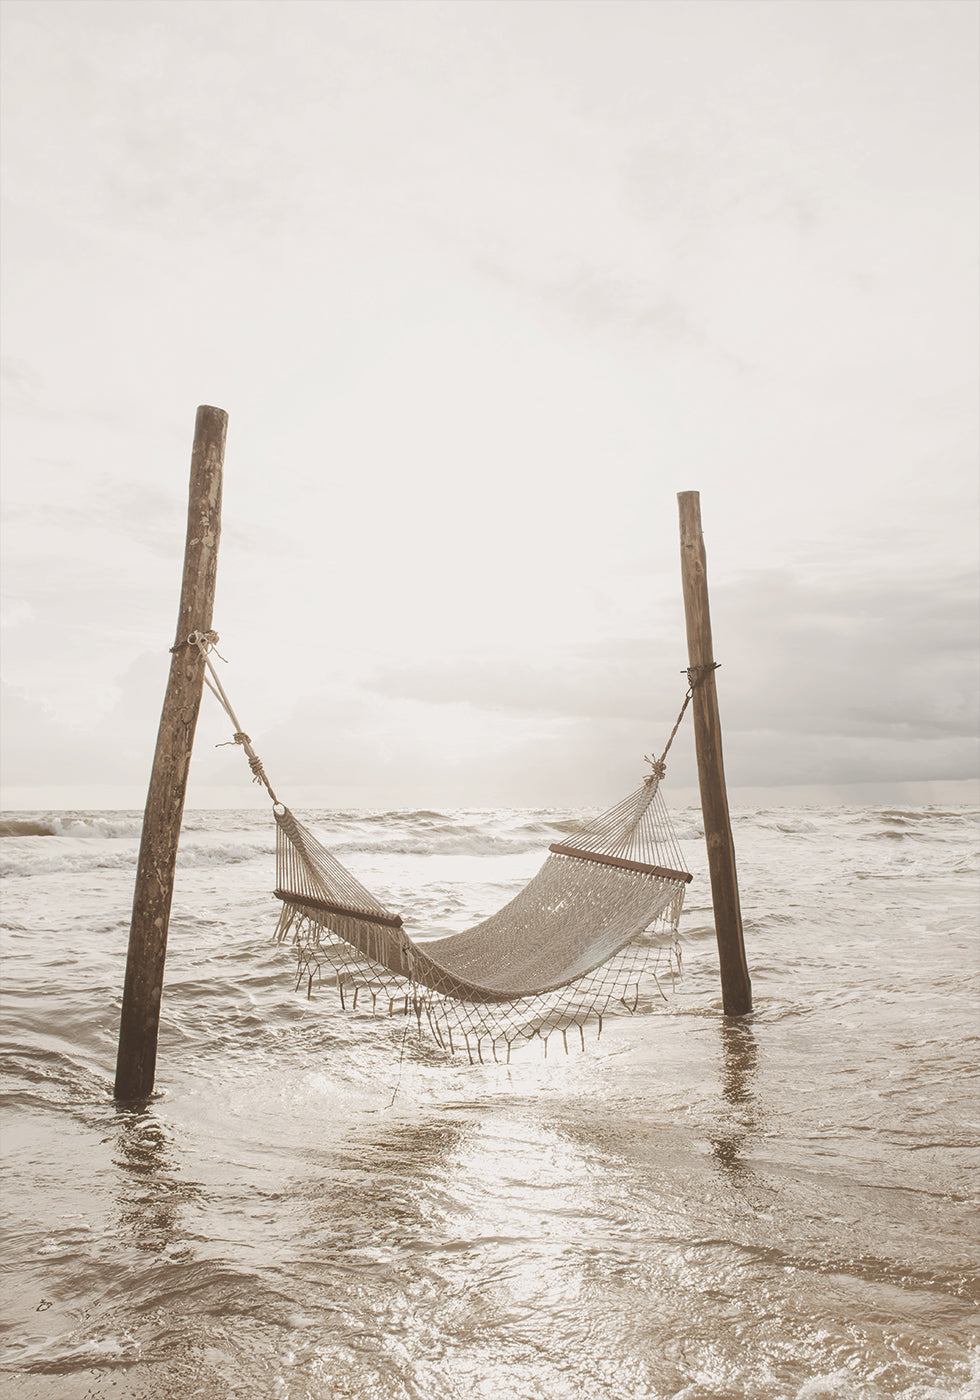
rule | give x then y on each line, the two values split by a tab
205	642
258	772
696	674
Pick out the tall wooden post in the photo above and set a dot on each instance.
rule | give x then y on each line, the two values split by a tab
140	1022
736	988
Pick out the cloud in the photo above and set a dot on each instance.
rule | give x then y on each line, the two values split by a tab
593	298
38	748
891	657
601	680
43	749
822	681
482	286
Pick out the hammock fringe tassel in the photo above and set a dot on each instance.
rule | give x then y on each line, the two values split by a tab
594	930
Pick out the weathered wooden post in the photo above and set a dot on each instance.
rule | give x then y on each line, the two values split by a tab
140	1021
736	988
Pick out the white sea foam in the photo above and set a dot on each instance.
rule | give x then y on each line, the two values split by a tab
24	856
90	827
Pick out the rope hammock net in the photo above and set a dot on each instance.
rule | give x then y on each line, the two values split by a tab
599	916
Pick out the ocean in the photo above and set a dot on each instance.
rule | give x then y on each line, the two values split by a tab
320	1204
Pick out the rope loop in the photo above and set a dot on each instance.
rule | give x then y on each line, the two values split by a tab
206	642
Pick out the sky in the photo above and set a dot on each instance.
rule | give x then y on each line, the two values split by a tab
482	286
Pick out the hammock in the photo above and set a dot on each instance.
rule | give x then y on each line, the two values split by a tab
601	913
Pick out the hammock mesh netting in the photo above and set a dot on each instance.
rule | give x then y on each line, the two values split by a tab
598	918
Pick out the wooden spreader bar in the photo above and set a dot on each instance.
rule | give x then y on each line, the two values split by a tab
622	863
367	916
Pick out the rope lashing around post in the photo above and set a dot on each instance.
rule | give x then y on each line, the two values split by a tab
695	675
206	642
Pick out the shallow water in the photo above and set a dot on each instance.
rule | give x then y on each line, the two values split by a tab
319	1205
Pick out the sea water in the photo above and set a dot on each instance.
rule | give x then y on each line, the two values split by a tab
318	1205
